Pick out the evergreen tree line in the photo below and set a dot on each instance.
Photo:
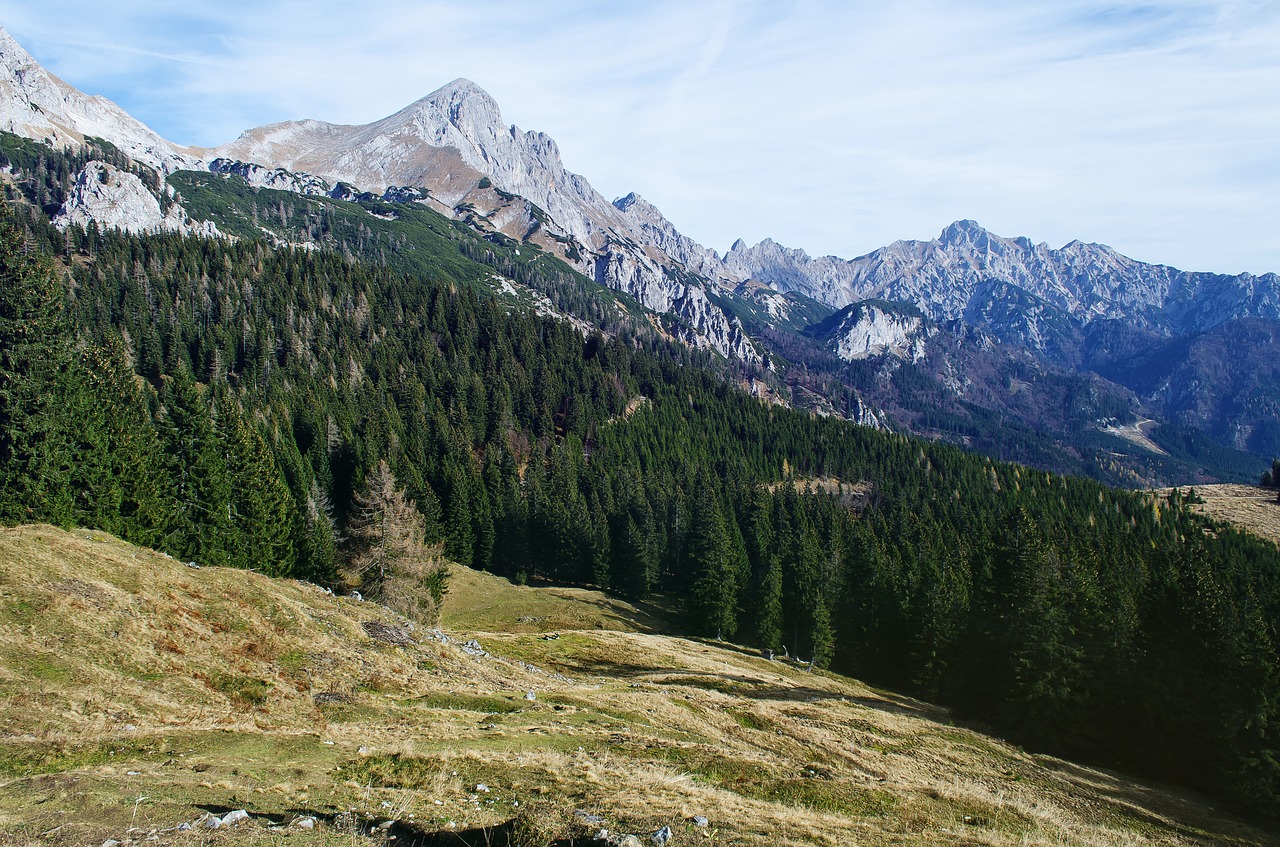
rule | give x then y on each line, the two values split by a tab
227	402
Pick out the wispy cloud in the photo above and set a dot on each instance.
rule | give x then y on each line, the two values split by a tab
833	126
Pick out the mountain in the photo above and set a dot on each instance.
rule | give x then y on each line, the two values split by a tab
874	328
454	144
1074	311
234	402
953	276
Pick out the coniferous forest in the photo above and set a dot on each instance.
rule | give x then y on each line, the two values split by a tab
227	403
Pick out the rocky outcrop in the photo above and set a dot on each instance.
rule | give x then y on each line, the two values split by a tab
275	178
659	232
865	330
117	199
36	104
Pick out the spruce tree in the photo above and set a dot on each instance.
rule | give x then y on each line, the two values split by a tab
36	384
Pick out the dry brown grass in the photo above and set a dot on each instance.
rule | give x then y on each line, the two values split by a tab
1247	506
211	668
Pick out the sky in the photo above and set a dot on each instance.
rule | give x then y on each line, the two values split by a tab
836	127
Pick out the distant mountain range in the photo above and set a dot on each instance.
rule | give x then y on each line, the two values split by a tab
972	337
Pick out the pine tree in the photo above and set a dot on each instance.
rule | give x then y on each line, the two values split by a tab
708	559
263	514
318	553
35	385
199	524
768	618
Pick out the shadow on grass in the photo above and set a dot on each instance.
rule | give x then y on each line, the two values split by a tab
1160	807
404	833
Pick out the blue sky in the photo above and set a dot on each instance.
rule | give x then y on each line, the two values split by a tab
832	126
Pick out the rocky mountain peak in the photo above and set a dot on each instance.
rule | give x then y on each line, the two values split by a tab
963	232
634	201
12	55
461	104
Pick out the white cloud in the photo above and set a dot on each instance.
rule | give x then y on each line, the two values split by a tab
832	126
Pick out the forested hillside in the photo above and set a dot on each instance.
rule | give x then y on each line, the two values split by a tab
224	401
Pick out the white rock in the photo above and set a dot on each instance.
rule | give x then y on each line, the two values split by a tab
117	199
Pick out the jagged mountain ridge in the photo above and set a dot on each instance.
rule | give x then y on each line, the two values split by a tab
947	276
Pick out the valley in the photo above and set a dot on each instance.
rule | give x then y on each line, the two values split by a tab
744	548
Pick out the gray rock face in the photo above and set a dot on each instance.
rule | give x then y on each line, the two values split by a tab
117	199
662	234
871	329
36	104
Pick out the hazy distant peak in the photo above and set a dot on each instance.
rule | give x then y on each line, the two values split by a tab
963	232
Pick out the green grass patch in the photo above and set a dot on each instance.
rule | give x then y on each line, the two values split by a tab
243	689
750	720
39	666
483	703
811	788
41	758
712	683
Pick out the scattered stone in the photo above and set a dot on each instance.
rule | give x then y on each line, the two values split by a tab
473	648
234	817
481	788
530	696
363	751
385	825
193	565
356	595
387	633
307	822
630	841
662	836
587	818
130	728
133	773
183	827
208	821
699	821
111	842
528	619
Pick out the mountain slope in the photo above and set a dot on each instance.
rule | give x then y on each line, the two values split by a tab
451	143
36	104
141	692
